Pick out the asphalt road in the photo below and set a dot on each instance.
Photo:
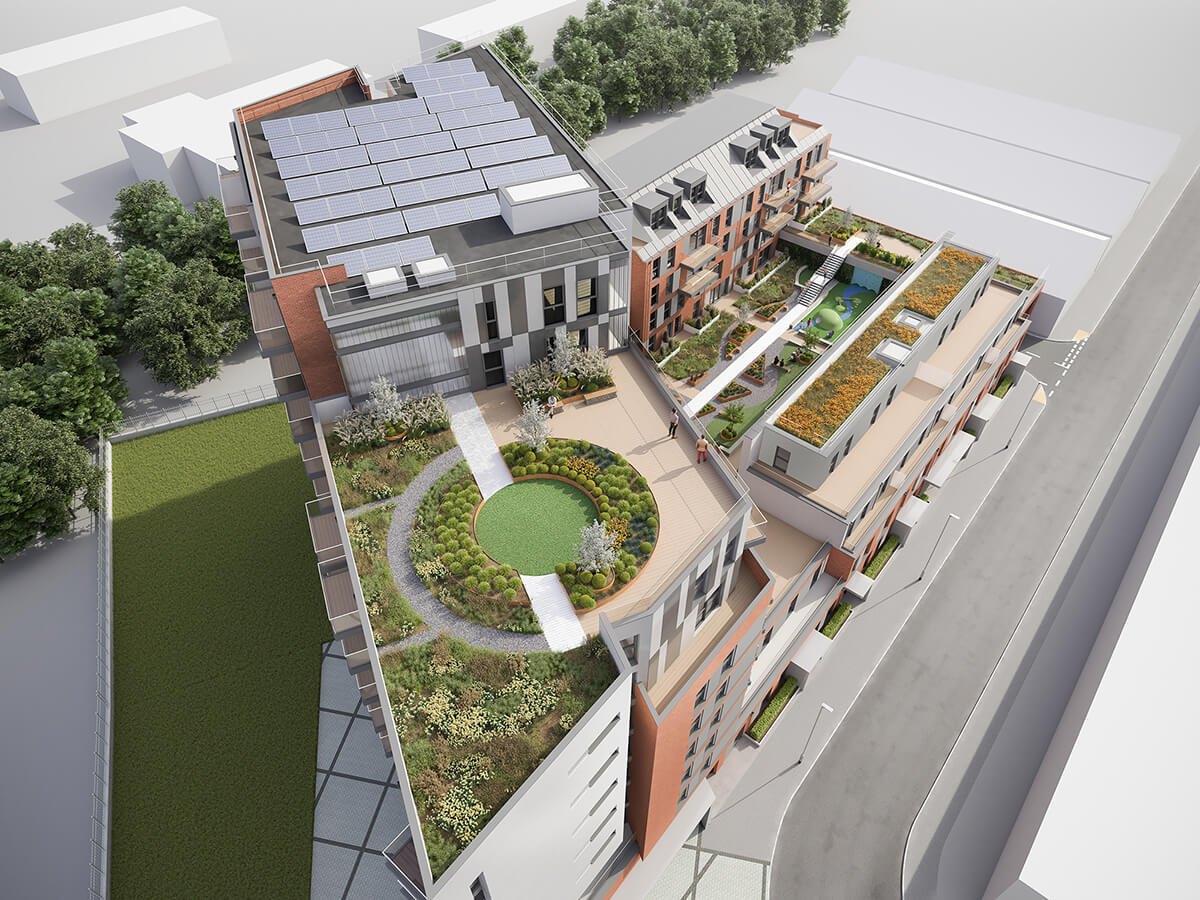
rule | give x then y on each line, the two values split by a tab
843	835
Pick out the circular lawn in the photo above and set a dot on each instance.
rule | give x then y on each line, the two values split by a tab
533	525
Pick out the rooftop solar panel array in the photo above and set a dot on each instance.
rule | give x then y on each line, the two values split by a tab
440	103
449	83
322	121
313	142
425	71
495	154
526	170
340	206
413	192
397	253
333	183
452	212
423	166
397	128
385	112
327	161
478	115
403	148
496	131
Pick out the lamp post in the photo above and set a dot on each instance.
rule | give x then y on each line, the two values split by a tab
825	707
933	550
1021	417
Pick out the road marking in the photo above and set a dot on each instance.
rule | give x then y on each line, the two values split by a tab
1081	335
1051	394
1034	355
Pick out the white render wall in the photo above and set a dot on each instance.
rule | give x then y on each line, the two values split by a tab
540	19
566	821
55	79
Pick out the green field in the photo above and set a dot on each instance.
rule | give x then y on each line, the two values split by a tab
217	633
534	525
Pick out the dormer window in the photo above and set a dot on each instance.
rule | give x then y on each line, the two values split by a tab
658	218
697	192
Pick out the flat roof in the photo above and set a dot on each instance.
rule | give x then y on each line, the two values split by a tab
469	242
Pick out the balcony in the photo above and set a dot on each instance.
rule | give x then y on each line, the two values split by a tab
327	540
340	604
700	257
780	198
285	369
300	419
700	282
241	223
776	223
255	265
267	321
828	164
815	193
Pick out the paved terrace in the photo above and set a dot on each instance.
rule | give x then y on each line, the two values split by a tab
692	499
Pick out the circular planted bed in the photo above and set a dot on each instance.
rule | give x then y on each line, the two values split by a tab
534	525
620	497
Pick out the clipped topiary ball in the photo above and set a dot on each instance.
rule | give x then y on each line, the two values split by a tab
598	580
646	547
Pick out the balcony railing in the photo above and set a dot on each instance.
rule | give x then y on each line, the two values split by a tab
781	198
777	222
700	282
700	257
815	193
820	169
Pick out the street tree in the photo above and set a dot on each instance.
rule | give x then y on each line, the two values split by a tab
514	48
73	384
720	51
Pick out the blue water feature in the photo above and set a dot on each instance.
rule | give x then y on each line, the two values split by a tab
852	290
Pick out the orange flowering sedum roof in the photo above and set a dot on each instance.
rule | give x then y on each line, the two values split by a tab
824	406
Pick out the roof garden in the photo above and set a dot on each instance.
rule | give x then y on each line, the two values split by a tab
474	724
829	400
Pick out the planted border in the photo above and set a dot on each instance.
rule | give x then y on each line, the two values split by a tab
1002	386
882	555
837	619
390	615
768	716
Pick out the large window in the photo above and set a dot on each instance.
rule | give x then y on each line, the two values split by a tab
658	218
554	309
489	320
782	458
696	239
656	267
585	297
671	258
697	192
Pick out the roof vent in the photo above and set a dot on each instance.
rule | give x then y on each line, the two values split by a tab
745	150
436	270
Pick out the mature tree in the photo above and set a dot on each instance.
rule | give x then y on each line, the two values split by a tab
563	354
138	271
807	17
533	426
514	48
83	258
579	107
743	19
620	88
650	55
720	51
186	323
834	14
30	320
74	384
211	240
580	61
570	30
28	265
42	472
140	207
148	215
778	30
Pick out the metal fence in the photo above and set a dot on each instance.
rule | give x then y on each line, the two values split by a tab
194	410
102	764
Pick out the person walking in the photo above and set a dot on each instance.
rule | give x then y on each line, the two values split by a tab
701	449
674	423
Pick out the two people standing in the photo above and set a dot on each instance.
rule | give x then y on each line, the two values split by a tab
701	442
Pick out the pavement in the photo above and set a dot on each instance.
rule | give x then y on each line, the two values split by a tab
888	752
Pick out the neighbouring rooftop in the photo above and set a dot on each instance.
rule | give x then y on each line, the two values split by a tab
693	500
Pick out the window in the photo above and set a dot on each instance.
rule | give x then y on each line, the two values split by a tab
687	773
749	202
696	239
691	750
729	217
654	295
554	307
728	664
725	242
875	415
762	192
716	226
782	458
712	742
715	719
697	192
671	258
707	762
479	890
656	267
943	337
489	319
723	691
849	443
746	227
891	395
792	605
767	637
731	549
701	695
493	368
832	462
696	724
683	796
654	318
955	322
702	582
658	218
585	296
796	173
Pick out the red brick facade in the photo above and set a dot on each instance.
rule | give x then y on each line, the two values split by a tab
310	338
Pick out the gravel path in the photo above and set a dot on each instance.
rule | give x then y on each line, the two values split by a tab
437	617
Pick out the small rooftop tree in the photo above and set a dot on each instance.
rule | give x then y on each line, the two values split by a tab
533	426
873	234
595	552
562	355
847	218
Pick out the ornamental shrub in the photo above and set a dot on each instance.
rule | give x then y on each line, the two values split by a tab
645	547
506	571
652	522
759	729
518	471
510	595
624	577
499	583
471	583
568	581
586	602
599	580
560	570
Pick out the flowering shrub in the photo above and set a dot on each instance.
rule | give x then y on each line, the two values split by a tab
618	530
756	369
534	383
357	428
825	405
736	338
537	381
584	467
361	538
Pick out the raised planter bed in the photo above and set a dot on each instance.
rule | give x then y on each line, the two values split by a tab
770	311
706	409
766	719
1002	386
695	379
737	337
881	557
733	391
756	371
837	618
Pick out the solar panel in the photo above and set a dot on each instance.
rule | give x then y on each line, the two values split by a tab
313	143
327	161
356	231
397	253
439	103
383	112
425	71
414	192
477	115
451	212
332	183
320	238
448	83
423	166
340	206
403	148
397	128
388	225
495	131
525	170
511	151
294	125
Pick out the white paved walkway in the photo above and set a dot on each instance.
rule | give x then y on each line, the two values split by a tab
546	593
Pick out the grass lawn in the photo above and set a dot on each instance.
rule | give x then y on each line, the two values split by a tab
474	724
391	616
754	413
699	352
534	525
217	633
383	471
830	310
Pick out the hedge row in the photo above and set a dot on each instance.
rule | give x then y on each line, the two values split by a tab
882	555
840	614
759	729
